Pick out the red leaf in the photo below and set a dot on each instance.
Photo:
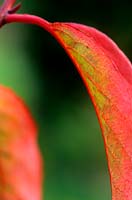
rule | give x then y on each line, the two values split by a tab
20	160
107	74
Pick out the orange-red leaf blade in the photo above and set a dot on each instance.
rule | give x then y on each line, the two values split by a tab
107	74
20	159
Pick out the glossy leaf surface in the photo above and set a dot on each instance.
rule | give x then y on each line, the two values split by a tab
107	74
20	160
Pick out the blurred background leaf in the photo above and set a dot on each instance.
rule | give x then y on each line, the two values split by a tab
37	68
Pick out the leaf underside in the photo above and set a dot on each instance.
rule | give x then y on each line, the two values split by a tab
20	160
107	75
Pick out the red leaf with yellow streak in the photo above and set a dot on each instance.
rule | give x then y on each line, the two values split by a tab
107	75
20	160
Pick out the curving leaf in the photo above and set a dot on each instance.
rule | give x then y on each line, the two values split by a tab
20	160
107	74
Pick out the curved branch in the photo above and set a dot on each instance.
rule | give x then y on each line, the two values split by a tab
7	5
29	19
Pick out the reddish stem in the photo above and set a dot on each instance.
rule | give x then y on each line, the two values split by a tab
29	19
7	5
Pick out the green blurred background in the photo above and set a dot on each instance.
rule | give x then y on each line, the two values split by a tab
37	68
